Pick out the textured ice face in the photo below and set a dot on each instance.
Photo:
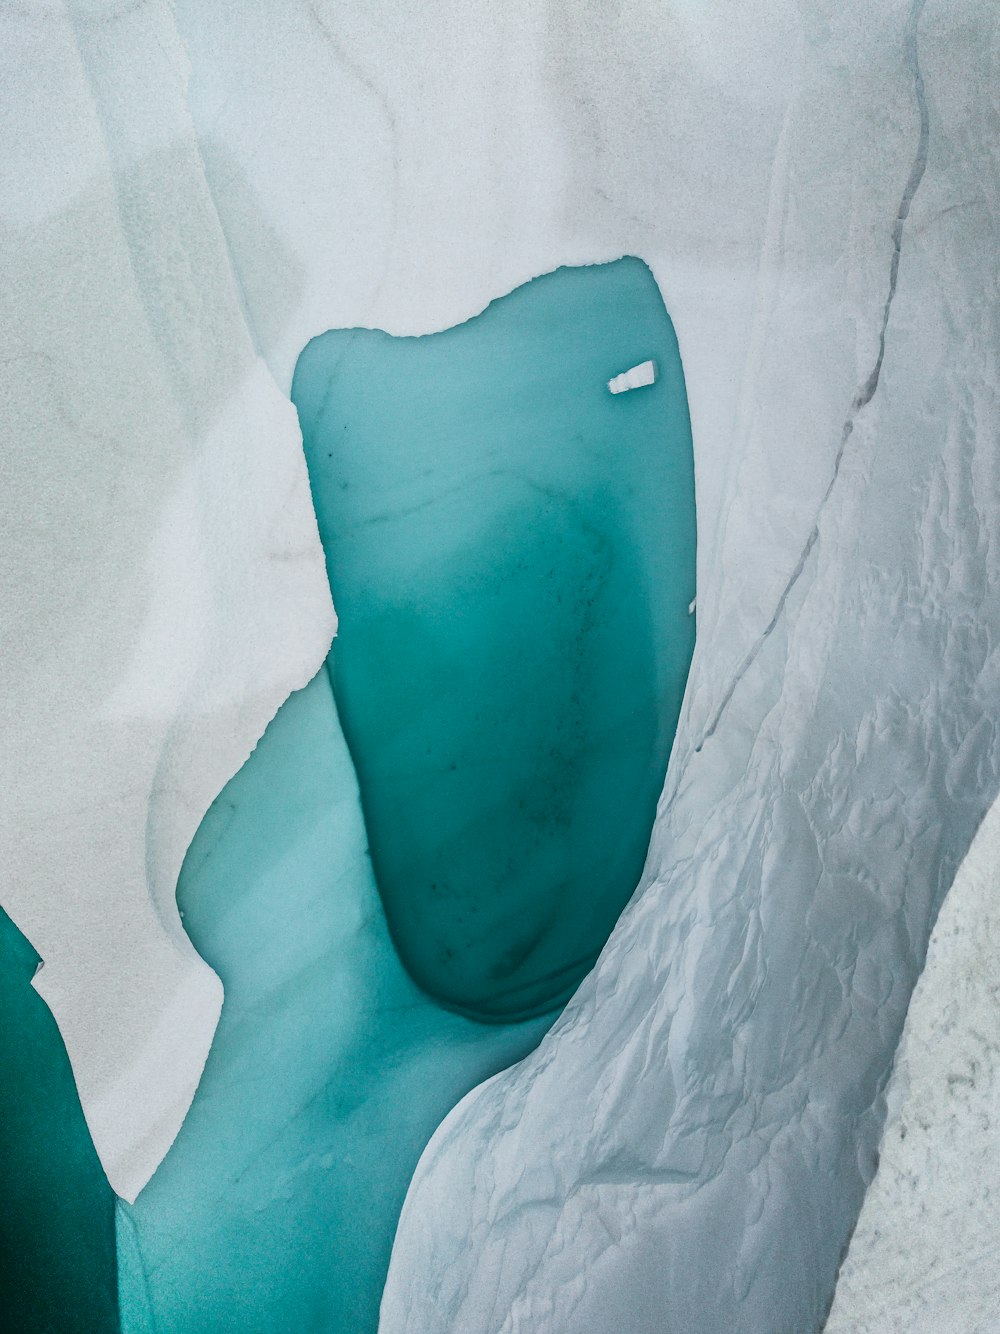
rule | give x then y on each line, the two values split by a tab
57	1232
330	1069
922	1258
393	166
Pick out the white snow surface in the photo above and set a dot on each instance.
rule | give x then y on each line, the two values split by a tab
924	1257
199	189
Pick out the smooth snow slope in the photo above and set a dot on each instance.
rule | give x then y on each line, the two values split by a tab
155	613
398	165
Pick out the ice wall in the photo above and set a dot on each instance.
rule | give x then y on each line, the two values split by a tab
814	188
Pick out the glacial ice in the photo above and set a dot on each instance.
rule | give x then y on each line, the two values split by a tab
163	585
923	1257
692	1141
729	1053
636	377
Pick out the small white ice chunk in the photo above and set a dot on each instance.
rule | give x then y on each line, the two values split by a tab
644	373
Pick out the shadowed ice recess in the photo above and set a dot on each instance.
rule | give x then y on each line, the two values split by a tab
444	826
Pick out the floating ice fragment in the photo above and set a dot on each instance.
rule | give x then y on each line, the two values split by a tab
634	378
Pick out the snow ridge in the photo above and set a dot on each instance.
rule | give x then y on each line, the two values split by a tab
867	390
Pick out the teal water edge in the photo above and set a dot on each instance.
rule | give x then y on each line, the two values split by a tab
57	1230
511	550
276	1206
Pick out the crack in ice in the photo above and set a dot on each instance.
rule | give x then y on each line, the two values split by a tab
867	390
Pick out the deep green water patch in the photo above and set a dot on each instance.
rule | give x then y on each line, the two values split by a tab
57	1232
511	549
